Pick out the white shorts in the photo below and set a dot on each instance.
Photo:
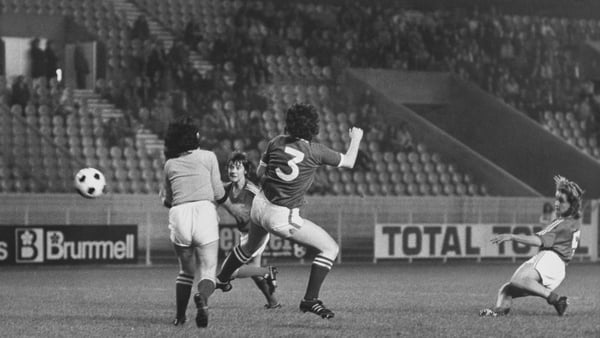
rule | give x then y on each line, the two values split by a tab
550	267
259	251
281	221
194	223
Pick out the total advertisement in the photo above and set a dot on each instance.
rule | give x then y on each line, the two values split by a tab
68	244
466	240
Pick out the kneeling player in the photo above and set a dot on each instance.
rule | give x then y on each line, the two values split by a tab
543	273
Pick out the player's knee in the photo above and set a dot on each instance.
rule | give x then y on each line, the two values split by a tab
505	288
331	250
519	280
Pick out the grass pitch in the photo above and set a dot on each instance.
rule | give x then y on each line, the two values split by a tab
384	300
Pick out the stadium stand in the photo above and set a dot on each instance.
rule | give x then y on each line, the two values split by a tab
239	64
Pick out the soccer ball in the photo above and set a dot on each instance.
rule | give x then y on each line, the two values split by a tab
90	182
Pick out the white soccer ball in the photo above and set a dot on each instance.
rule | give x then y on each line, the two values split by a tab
90	182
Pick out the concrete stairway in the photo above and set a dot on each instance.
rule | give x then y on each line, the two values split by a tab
106	110
133	11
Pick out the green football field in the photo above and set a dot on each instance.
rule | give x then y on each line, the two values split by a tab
384	300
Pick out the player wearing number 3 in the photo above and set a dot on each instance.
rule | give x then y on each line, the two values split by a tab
287	170
543	273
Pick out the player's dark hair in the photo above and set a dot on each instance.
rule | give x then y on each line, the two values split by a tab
182	136
239	157
242	158
302	121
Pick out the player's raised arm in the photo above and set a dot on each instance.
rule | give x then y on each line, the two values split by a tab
349	158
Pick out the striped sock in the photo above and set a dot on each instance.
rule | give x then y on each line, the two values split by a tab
183	289
233	261
318	271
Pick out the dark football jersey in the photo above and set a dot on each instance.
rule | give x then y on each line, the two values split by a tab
244	197
291	166
562	237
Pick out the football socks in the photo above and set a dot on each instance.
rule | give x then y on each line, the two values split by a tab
318	271
233	261
183	289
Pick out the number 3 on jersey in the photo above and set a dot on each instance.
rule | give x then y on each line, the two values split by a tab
298	156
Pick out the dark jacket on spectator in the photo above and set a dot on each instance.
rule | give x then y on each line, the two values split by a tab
36	54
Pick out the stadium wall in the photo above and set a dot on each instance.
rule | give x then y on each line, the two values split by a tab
351	220
24	25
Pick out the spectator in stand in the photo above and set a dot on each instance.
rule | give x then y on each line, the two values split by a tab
112	132
548	214
20	91
51	60
66	104
178	54
4	91
140	28
82	67
156	64
37	59
402	139
192	34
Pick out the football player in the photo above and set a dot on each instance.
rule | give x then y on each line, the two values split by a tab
543	273
287	169
241	191
192	184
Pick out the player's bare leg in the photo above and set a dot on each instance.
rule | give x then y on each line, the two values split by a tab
504	300
206	256
313	235
528	279
242	254
506	294
184	282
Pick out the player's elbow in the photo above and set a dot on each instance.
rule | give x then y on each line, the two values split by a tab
346	165
347	162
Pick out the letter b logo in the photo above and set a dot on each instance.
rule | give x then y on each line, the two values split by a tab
30	245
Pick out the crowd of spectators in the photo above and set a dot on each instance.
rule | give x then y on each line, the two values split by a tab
529	62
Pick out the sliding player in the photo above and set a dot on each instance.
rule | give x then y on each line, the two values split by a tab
543	273
287	169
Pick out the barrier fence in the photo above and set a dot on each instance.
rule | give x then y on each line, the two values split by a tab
416	227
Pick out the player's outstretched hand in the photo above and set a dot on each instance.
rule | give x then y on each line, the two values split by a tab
355	133
501	238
